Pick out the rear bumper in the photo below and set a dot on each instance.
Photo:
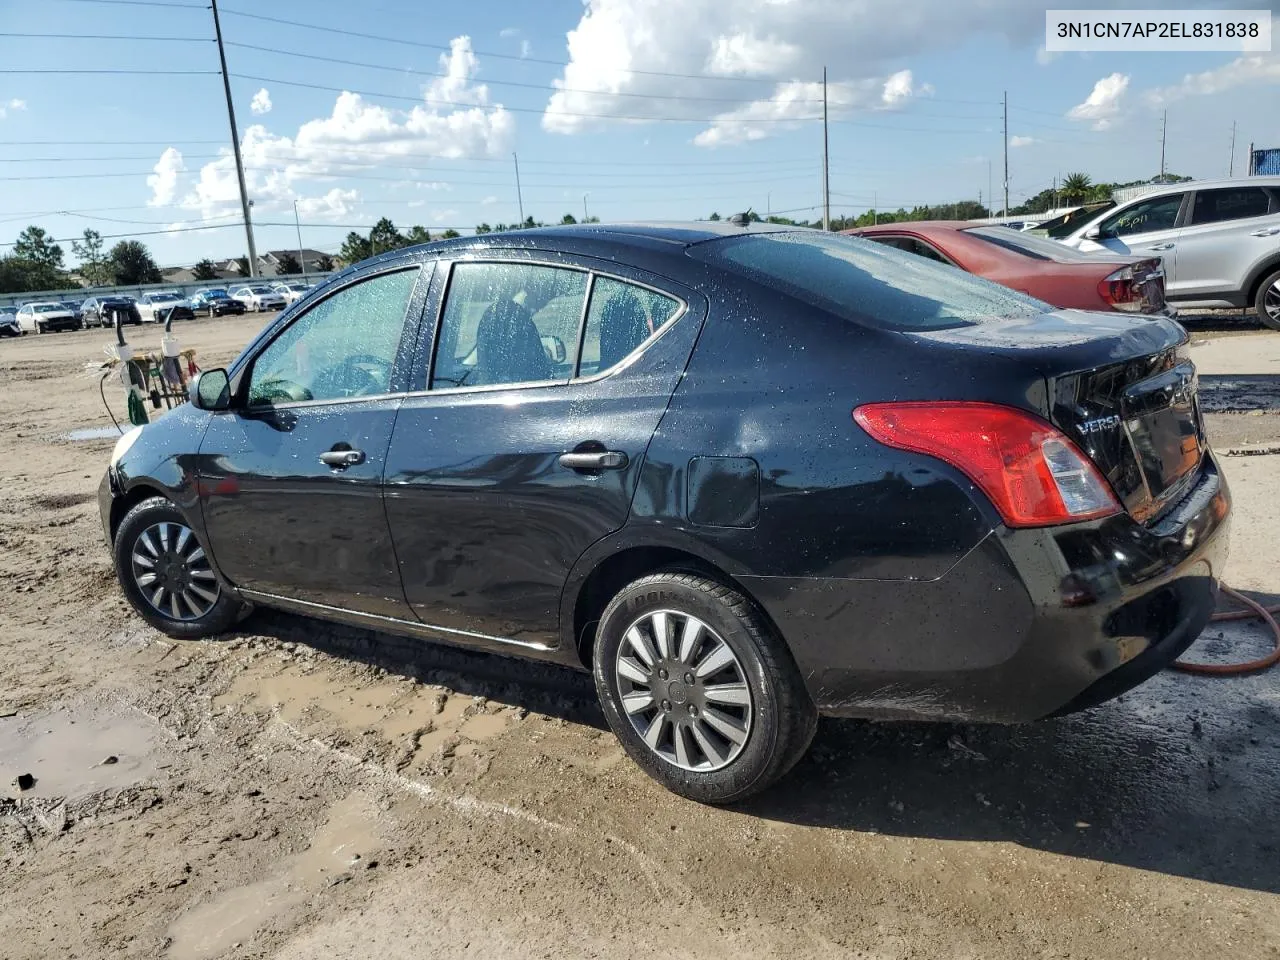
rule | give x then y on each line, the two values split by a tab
1028	624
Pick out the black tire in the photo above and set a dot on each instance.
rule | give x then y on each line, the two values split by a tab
1269	289
782	718
40	328
219	617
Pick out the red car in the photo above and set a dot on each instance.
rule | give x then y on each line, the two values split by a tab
1045	269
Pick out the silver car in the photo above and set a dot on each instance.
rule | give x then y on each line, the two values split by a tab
259	297
1220	241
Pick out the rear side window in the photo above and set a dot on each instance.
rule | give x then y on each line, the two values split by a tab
1157	213
509	323
910	245
867	282
1235	203
622	316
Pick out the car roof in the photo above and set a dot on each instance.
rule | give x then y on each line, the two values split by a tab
1185	185
917	226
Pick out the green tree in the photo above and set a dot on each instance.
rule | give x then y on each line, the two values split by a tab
450	234
242	266
1076	187
483	228
324	263
384	236
567	219
288	265
36	245
417	235
131	263
205	271
355	248
93	261
714	216
19	275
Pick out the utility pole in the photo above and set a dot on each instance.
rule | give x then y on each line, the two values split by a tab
1231	164
585	218
875	207
519	196
1251	168
826	175
1164	128
235	144
1006	154
302	261
991	194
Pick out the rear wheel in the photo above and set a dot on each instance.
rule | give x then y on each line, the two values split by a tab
166	574
1267	302
702	694
40	328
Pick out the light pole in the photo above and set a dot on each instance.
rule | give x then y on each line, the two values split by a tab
302	261
585	217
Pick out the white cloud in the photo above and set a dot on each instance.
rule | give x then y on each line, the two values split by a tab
352	139
334	205
164	182
1045	57
15	105
261	102
623	48
1103	103
1244	71
526	49
1016	141
443	216
488	201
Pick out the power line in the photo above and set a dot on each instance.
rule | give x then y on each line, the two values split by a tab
61	70
104	36
144	3
103	143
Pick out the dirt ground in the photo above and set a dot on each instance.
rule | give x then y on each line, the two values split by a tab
301	790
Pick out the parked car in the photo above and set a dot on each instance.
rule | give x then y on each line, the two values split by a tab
75	310
291	291
100	311
259	297
45	316
1220	240
743	474
1043	268
216	302
9	324
159	307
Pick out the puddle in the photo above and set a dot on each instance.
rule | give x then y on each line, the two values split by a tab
234	916
483	726
91	433
65	749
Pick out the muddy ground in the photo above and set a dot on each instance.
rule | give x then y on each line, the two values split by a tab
300	790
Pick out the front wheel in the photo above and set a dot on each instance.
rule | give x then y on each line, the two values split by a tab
701	692
165	573
1267	303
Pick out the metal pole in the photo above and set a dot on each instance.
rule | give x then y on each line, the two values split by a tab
1006	154
235	145
1231	165
519	196
991	194
826	175
875	207
302	261
1251	166
1164	129
585	217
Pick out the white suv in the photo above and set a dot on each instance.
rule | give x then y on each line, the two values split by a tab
1220	240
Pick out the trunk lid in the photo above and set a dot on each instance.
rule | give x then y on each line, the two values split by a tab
1123	389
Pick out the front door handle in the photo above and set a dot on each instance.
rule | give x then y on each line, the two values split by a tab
1266	232
341	459
1161	246
602	460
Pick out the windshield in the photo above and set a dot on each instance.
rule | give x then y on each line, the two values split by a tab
49	308
164	298
214	294
867	282
1038	248
266	290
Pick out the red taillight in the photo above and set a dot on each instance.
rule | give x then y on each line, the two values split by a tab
1137	288
1033	474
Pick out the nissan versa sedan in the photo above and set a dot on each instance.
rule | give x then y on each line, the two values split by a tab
745	476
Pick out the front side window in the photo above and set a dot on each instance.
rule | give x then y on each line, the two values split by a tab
621	317
1146	216
345	346
1235	203
509	323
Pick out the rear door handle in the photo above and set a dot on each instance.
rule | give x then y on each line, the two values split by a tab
602	460
1161	246
1266	232
341	459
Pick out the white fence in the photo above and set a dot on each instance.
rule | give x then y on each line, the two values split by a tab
12	301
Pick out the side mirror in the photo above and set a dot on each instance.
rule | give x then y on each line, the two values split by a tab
554	347
1093	233
211	390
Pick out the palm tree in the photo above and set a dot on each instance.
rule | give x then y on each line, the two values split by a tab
1075	187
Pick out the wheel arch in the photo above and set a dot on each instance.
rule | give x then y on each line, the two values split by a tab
1261	273
122	504
611	564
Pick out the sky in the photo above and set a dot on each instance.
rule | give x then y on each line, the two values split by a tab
627	109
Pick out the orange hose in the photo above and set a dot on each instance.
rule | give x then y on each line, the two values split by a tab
1228	669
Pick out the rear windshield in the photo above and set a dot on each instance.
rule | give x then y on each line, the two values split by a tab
1038	248
866	282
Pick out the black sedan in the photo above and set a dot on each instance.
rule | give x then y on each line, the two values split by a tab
102	311
746	476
